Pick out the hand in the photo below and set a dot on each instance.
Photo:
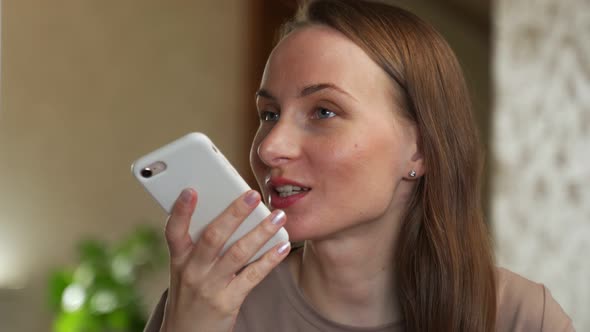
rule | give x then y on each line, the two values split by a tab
206	291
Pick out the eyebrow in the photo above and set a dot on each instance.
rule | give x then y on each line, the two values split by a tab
306	91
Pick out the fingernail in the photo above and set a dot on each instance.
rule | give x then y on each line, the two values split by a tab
251	197
282	249
186	196
278	217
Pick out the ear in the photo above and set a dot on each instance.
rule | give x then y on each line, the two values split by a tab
416	167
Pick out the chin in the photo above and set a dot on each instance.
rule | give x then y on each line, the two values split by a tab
300	229
296	234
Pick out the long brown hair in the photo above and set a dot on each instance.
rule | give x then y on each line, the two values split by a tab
444	261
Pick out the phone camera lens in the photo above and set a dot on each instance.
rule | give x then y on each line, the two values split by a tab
146	173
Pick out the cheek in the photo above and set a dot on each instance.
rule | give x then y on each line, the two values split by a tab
254	159
257	166
368	156
362	172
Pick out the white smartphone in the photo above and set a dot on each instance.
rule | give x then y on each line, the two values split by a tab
193	161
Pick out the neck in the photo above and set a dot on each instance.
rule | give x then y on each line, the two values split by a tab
350	278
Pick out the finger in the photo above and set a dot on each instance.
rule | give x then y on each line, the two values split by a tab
254	273
177	236
215	235
240	252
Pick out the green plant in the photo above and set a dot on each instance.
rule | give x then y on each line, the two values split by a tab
100	294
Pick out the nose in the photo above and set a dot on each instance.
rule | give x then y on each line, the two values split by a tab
280	145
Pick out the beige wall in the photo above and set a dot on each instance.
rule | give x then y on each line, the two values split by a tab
87	87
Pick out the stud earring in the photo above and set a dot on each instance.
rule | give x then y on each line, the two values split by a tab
412	174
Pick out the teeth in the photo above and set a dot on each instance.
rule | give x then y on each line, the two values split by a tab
288	190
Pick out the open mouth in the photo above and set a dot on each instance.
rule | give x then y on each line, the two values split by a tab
289	190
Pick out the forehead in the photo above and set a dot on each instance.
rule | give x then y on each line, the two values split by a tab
316	54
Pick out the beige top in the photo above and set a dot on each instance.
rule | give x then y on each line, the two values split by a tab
277	304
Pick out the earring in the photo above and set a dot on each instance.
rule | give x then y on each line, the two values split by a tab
412	174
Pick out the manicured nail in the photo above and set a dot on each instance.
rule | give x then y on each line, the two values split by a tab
186	196
278	217
251	198
282	249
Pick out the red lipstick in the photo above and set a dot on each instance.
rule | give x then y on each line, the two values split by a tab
281	202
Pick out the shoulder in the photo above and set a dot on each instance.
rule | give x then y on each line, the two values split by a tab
155	320
524	305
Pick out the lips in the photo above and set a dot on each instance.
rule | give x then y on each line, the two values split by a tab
285	192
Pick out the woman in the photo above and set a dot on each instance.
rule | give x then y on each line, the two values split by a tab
367	143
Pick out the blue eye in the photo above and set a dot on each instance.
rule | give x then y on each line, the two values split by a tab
269	116
323	113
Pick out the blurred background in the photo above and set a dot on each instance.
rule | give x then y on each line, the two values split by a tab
88	86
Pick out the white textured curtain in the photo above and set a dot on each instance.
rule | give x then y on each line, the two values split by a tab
541	146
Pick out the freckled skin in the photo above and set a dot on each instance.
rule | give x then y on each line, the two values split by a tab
356	162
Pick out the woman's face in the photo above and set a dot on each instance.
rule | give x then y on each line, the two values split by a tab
332	150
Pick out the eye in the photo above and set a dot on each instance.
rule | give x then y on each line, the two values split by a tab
269	116
323	113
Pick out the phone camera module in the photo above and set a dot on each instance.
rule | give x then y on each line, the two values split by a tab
153	169
146	173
